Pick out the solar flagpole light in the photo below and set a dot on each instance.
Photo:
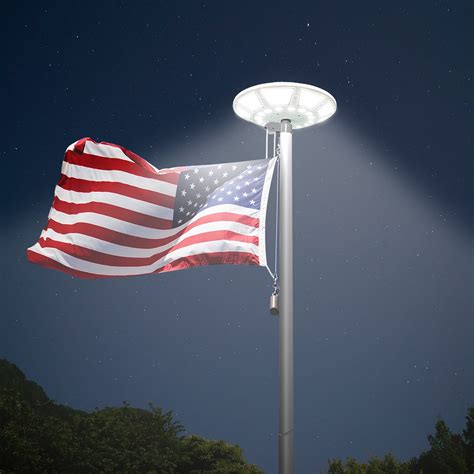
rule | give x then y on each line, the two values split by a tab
280	107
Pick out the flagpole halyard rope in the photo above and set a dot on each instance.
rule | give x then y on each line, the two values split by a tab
277	223
276	154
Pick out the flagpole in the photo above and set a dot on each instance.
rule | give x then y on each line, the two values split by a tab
286	426
280	107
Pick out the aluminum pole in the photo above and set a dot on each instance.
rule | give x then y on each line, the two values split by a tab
285	435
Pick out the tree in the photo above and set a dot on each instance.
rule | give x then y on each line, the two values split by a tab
37	435
335	466
446	455
468	435
32	442
449	453
204	456
375	465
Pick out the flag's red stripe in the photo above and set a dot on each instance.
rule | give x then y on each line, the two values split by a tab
113	211
79	147
54	265
126	240
112	260
115	164
85	186
214	258
136	158
224	216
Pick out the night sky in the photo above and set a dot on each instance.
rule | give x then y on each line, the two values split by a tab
383	217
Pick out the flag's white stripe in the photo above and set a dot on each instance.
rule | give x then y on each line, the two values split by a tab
140	231
98	269
92	174
119	200
109	248
106	151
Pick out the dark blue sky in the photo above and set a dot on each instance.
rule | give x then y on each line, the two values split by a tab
383	217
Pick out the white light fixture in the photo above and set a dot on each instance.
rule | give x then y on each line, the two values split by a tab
303	104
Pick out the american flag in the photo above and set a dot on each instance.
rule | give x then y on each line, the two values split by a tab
114	214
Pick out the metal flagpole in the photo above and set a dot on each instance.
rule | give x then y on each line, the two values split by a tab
282	107
286	430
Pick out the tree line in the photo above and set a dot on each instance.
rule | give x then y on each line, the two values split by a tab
38	435
449	453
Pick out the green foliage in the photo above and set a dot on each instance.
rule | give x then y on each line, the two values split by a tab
31	441
206	456
375	465
11	377
37	435
449	453
468	434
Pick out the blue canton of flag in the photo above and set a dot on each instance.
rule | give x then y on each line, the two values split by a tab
201	187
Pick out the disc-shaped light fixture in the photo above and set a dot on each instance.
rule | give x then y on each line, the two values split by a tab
303	104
